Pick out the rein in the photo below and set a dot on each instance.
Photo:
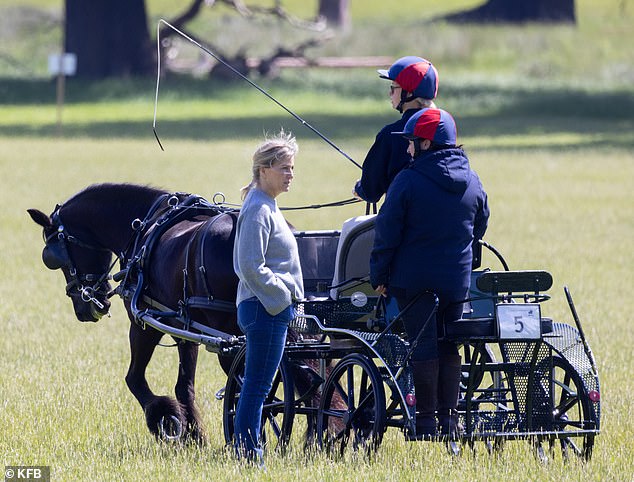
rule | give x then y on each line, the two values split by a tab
166	210
219	200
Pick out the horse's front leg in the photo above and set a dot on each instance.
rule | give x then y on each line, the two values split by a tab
163	415
186	393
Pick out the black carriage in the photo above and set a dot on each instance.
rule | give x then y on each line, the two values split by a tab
524	375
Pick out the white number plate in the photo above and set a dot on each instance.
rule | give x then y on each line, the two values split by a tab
518	321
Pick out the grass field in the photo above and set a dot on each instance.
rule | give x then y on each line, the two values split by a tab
552	144
65	403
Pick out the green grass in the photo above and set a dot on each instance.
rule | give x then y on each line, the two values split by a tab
65	403
545	116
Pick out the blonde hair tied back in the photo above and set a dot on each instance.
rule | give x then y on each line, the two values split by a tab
272	150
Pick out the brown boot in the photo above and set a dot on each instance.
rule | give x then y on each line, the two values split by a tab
449	374
426	389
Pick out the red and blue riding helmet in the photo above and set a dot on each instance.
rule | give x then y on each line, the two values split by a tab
436	125
417	77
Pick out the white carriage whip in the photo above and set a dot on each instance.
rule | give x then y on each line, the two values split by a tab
239	74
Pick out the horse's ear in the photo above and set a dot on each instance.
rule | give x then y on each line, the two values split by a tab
40	218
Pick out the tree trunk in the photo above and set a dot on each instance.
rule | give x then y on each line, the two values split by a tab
518	11
336	12
109	37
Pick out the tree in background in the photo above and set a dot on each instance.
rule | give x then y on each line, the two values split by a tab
109	37
518	11
335	12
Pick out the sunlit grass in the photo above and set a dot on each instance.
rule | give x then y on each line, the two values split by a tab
65	402
544	114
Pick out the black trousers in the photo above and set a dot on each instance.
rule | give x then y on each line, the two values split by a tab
420	316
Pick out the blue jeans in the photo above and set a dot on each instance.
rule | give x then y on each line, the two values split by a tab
266	337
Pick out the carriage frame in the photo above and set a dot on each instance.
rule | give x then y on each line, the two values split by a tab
539	383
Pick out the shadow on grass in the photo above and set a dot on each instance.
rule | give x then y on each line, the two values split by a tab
571	118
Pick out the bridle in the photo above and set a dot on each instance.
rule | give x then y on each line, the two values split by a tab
89	287
85	286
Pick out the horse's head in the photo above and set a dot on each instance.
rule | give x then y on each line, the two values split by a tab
85	265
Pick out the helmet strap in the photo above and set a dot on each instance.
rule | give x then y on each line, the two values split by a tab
405	97
417	146
417	149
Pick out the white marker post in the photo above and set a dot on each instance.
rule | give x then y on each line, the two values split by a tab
61	65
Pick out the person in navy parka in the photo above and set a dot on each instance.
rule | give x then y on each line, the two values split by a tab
414	85
434	211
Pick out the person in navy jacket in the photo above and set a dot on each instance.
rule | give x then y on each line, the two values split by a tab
414	85
434	211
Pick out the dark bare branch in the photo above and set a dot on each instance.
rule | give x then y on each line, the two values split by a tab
192	11
267	65
240	61
318	25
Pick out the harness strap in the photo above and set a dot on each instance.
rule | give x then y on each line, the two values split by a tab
150	230
201	269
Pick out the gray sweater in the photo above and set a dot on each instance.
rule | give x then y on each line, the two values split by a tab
265	255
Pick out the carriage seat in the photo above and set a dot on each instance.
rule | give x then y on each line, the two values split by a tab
336	266
317	252
352	263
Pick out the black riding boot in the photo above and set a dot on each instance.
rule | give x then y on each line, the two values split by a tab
426	388
449	374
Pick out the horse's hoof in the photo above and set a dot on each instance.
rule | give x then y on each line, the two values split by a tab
170	428
165	419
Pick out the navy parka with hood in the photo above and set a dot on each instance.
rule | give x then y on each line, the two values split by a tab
434	210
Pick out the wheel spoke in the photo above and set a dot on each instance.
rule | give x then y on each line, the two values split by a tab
273	423
274	406
360	419
340	391
278	409
350	375
333	412
572	409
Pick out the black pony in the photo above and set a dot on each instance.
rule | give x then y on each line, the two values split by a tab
193	255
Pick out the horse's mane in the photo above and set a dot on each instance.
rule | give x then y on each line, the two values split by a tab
121	200
121	191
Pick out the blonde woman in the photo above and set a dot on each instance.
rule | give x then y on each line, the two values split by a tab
266	260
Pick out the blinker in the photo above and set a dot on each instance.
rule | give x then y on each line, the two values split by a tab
55	256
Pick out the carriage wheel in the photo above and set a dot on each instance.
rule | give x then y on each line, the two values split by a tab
469	351
278	411
352	409
572	409
489	397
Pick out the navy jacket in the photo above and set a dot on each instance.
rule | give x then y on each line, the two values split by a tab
433	211
385	159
